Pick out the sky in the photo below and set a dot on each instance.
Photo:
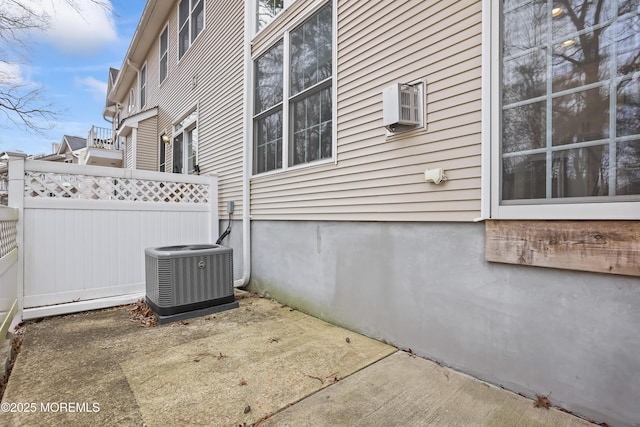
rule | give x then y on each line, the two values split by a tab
70	62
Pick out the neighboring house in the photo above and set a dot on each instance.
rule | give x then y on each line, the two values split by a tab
71	149
98	149
102	149
529	109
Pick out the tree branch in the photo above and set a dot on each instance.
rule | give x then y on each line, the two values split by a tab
572	15
568	58
20	104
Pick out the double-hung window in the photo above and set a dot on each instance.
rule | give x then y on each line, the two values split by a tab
190	23
185	145
569	109
162	158
143	86
293	101
132	100
267	125
266	11
164	62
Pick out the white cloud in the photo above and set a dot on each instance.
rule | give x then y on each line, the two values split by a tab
83	28
74	128
11	74
94	86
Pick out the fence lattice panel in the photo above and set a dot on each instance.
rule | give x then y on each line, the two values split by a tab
56	185
7	237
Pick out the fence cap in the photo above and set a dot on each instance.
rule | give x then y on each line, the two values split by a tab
8	154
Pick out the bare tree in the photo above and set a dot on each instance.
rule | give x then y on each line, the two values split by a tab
20	103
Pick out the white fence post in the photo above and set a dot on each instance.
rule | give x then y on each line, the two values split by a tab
213	202
16	200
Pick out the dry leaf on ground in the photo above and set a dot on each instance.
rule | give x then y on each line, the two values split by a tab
542	402
142	313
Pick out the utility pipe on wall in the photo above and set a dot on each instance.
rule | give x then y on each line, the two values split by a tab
246	200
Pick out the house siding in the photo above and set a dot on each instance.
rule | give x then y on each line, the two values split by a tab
209	77
129	152
377	177
365	243
222	107
147	153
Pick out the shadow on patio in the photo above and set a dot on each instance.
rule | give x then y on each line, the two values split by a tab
238	368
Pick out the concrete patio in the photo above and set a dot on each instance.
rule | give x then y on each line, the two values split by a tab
263	363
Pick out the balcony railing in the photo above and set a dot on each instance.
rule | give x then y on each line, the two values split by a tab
101	138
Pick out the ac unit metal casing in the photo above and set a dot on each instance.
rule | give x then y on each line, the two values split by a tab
401	105
188	277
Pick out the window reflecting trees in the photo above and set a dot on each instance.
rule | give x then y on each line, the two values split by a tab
570	99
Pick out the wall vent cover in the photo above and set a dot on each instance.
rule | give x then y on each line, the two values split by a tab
188	277
401	106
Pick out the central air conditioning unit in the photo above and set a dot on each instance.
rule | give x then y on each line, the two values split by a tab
189	280
401	107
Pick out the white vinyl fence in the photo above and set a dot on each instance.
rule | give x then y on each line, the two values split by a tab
84	229
8	268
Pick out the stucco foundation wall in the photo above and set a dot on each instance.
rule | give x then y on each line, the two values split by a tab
426	286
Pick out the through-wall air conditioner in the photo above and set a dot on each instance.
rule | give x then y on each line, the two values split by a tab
401	107
189	279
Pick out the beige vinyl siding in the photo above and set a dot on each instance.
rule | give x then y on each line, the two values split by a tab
225	108
208	77
147	150
380	178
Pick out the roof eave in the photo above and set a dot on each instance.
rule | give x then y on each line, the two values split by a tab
152	19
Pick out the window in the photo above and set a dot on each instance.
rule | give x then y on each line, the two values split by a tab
266	10
162	161
268	106
570	102
163	54
185	145
293	122
132	100
190	23
143	86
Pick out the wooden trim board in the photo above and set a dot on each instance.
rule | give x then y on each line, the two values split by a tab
598	246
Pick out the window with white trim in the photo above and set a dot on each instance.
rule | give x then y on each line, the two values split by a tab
569	110
164	62
132	100
266	11
267	124
293	120
162	149
185	145
190	23
143	86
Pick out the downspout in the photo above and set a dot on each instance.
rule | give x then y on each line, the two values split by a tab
246	198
